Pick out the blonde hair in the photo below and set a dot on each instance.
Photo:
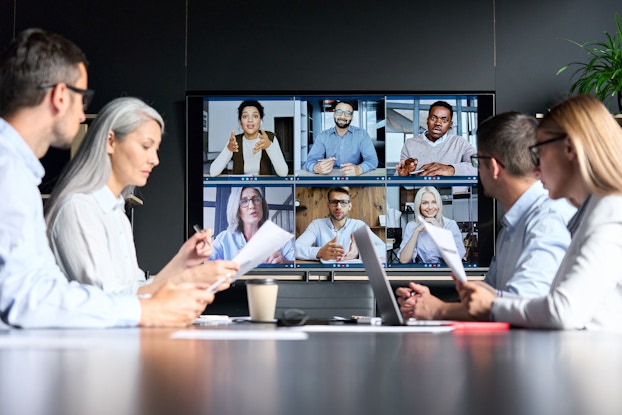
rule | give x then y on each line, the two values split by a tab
597	139
437	197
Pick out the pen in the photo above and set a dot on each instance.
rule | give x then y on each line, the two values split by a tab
198	229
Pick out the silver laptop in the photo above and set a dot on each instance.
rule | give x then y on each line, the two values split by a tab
385	299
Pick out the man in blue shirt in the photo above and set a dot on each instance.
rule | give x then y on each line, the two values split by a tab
43	96
343	147
330	239
534	237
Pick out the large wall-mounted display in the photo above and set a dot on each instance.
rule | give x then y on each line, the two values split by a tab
320	166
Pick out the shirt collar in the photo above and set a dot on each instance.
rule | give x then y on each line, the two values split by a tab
16	142
437	142
108	202
522	205
348	131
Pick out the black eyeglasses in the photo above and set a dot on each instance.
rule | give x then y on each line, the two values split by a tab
255	200
475	160
87	94
534	151
335	202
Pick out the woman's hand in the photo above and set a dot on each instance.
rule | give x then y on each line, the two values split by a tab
263	143
477	298
232	145
195	250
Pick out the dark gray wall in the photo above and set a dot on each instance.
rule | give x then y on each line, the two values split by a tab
139	48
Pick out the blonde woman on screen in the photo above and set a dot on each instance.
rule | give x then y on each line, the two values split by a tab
89	232
417	246
578	156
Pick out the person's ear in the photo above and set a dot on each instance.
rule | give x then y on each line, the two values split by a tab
110	143
58	98
569	149
495	168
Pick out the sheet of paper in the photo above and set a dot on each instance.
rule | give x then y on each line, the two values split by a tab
445	243
268	239
282	334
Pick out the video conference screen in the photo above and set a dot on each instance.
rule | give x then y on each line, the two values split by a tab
321	166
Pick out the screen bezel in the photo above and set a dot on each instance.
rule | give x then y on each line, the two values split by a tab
194	170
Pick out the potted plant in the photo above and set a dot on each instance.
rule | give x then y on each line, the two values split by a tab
602	73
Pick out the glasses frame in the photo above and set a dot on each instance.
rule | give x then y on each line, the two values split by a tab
335	202
535	153
245	202
87	94
475	160
347	113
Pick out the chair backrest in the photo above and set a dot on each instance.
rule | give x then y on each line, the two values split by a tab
325	299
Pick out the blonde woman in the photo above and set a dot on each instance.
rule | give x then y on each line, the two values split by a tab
417	246
578	156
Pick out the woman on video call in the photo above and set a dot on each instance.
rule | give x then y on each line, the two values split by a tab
247	210
89	232
417	246
578	156
254	151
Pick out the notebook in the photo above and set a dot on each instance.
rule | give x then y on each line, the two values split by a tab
385	299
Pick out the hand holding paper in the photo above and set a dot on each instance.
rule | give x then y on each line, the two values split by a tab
268	239
445	243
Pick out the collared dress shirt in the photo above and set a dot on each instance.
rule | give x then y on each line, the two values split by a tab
228	244
354	147
92	240
586	292
321	231
33	290
425	248
451	149
531	244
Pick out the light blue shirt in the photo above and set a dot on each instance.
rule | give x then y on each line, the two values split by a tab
531	244
354	147
227	244
321	231
33	291
426	248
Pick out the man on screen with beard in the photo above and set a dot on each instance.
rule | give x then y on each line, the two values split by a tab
344	146
330	239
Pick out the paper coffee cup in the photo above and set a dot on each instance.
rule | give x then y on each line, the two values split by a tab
262	294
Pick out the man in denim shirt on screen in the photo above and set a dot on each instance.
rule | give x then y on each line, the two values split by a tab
343	147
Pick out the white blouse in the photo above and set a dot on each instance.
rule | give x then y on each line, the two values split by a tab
92	240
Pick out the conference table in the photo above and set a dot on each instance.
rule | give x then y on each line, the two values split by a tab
247	368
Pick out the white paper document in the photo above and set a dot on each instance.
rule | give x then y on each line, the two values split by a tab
444	241
240	335
268	239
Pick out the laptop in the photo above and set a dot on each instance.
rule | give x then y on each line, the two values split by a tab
385	299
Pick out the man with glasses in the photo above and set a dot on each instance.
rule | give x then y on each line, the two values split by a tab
436	152
330	239
43	95
534	237
343	147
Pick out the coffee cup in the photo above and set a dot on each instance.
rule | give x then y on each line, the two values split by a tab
262	294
